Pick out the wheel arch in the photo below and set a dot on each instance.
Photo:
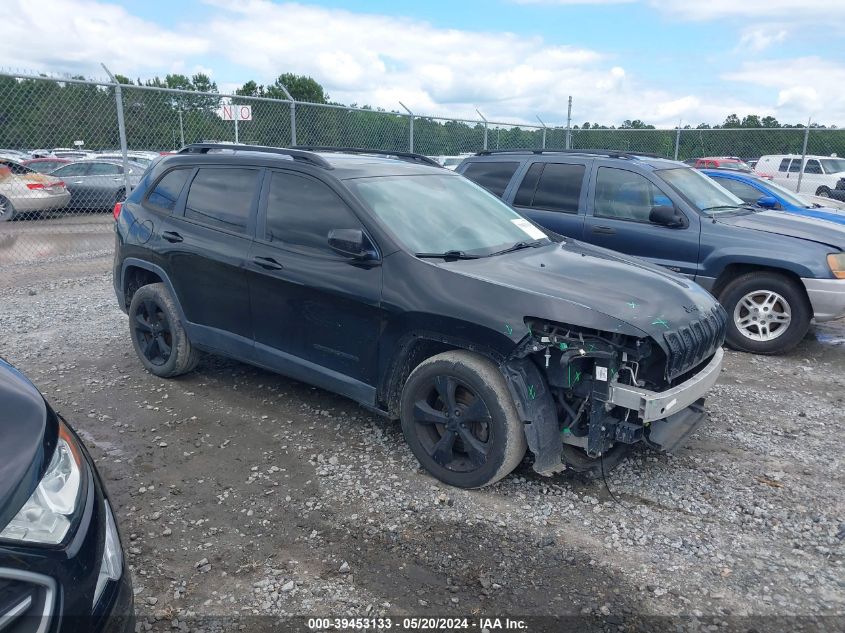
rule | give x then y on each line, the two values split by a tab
413	348
734	270
136	273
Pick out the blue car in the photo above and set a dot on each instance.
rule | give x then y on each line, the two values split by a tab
768	195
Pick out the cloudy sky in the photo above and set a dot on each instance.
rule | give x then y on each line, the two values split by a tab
657	60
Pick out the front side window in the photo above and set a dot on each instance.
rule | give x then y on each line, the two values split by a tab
625	195
812	167
439	213
493	176
105	169
742	190
222	198
167	189
302	210
703	193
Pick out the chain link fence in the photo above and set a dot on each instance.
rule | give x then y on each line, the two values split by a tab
62	145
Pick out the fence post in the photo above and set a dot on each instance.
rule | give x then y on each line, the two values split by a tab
569	124
544	130
292	114
803	155
485	126
678	140
181	128
411	120
121	128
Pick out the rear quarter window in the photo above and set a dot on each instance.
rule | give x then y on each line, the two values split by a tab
493	176
168	188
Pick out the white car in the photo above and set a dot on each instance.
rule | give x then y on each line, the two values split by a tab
821	173
24	191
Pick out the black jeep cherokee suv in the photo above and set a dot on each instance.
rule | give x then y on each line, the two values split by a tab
420	295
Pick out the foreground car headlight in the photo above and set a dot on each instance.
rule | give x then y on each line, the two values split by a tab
836	261
47	515
112	565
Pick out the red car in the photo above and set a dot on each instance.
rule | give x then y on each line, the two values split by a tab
45	165
731	163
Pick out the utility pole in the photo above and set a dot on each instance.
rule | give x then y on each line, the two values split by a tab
292	114
485	126
121	128
803	155
411	133
544	130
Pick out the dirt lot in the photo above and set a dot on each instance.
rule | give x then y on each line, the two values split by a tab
240	492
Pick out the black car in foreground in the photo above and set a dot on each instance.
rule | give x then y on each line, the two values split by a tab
61	562
420	295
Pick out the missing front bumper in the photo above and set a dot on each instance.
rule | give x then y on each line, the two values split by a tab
652	405
669	433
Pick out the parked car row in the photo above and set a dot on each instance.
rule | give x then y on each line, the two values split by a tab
53	184
773	271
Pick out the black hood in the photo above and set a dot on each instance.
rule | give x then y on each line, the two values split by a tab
790	224
28	431
647	298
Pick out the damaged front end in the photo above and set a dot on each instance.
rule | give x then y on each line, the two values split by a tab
582	393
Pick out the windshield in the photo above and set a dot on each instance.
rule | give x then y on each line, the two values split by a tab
438	214
833	165
700	191
735	165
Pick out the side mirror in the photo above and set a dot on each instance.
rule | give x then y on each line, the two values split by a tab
665	216
351	242
767	202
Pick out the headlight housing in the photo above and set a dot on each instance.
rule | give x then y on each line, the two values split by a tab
836	261
48	514
112	566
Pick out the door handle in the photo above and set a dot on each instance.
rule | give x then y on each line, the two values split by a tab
607	230
172	236
268	263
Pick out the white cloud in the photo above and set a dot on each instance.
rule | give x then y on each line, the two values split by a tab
760	38
379	60
757	9
804	86
75	36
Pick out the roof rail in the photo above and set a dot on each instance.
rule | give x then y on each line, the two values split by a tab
295	154
610	153
410	157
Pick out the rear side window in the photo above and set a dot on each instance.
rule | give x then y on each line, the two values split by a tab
525	193
222	198
784	165
559	188
167	190
76	169
301	211
795	166
493	176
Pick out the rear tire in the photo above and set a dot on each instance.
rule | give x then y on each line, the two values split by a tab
460	420
768	313
823	192
7	210
157	333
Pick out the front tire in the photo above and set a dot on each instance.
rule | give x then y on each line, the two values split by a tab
460	420
768	313
157	333
823	192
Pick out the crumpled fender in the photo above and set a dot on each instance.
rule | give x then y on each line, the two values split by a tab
537	410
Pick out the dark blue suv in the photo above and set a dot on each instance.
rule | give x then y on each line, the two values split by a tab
773	271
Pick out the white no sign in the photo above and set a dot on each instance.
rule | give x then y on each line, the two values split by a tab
233	112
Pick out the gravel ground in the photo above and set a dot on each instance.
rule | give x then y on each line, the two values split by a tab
240	492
